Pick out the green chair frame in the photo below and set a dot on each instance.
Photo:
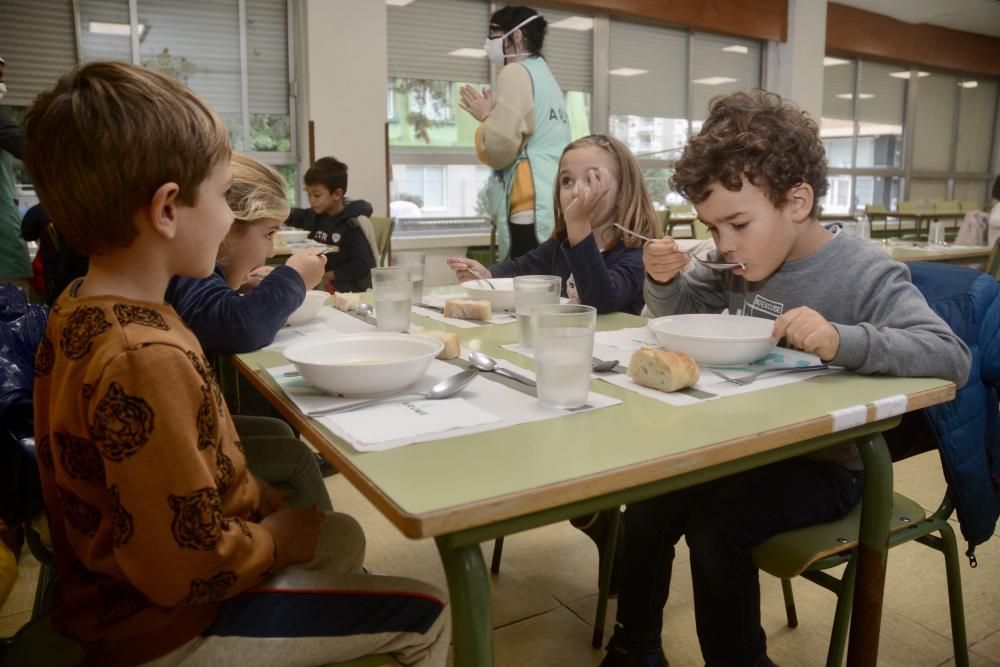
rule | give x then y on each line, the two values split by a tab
383	228
807	552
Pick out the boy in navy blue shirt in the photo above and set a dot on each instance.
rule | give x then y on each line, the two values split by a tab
339	222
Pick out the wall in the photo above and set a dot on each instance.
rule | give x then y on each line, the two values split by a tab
794	68
345	95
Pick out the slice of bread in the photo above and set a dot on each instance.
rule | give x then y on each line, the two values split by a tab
452	348
346	301
666	371
468	309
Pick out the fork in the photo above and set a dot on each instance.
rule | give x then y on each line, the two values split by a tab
752	377
718	266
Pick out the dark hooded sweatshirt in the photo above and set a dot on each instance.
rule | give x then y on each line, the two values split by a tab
353	261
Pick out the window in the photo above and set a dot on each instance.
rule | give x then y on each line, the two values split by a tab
880	100
935	122
837	121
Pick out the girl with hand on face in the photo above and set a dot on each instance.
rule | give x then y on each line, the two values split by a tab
225	321
598	183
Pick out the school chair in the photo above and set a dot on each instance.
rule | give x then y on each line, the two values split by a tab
807	552
966	206
383	238
993	263
946	206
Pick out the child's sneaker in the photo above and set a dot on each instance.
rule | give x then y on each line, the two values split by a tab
624	653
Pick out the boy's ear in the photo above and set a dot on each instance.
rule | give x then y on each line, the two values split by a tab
338	193
163	210
799	201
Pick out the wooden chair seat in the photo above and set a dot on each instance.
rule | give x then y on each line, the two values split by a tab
791	553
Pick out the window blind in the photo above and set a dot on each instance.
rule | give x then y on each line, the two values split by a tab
423	34
888	94
196	42
659	88
935	114
975	120
569	52
838	80
101	42
722	65
39	46
267	56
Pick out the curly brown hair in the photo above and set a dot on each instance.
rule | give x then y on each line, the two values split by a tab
756	135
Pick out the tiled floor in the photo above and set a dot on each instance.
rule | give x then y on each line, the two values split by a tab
545	595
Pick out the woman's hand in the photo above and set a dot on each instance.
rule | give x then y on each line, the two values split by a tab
587	203
309	264
478	104
663	260
468	269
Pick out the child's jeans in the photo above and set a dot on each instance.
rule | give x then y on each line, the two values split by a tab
723	520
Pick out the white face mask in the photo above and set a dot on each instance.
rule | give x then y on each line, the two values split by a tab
494	47
3	89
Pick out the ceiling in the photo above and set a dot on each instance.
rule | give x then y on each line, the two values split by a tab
979	16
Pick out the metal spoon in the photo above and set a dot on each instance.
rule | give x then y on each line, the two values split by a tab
490	365
365	311
449	386
718	266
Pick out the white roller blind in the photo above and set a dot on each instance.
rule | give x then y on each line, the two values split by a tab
937	95
722	65
422	35
659	89
37	40
267	55
838	91
104	26
882	96
197	42
975	120
568	50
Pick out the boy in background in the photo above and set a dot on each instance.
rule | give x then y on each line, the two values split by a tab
167	548
755	173
339	222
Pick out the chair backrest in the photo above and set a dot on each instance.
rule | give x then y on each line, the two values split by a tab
663	217
946	205
875	208
993	263
383	237
969	206
908	206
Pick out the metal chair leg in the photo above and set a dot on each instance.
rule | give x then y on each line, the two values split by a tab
842	617
607	566
497	553
790	613
955	604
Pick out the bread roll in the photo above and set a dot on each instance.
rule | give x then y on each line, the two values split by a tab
468	309
666	371
346	301
452	348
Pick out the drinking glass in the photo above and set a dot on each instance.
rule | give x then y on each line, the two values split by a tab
563	337
393	290
416	262
531	291
864	230
936	234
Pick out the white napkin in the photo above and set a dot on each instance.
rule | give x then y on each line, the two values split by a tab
626	339
375	427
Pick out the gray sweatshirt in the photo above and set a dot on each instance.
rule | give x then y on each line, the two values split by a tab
885	325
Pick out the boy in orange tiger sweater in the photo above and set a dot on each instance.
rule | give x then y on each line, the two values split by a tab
167	548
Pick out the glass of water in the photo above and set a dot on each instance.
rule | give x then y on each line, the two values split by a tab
531	291
563	336
415	261
393	290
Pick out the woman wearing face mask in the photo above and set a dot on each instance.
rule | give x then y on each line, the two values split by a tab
523	130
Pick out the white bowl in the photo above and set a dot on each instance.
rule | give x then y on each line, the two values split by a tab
501	298
715	340
293	235
309	308
364	364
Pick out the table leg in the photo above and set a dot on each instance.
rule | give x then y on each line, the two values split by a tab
469	597
873	548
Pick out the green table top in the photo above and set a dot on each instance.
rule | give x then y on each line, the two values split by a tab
437	487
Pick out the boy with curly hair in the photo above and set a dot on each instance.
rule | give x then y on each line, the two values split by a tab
167	548
755	173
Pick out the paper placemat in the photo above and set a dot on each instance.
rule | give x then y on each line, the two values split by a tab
709	386
487	403
438	300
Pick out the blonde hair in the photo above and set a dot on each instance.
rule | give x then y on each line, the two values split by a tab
633	208
257	193
106	137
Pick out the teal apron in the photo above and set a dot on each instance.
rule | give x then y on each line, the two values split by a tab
542	151
14	261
